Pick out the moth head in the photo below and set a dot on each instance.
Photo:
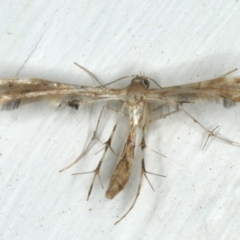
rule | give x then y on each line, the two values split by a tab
141	79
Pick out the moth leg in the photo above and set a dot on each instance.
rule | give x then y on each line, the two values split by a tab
96	171
164	115
144	173
88	147
143	146
210	133
136	197
156	109
107	144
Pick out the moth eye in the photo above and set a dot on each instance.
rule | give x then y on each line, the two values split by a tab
146	82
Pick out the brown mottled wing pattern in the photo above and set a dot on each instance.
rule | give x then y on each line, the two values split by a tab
226	88
14	92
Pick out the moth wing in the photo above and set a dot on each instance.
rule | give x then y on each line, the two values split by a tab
15	92
226	88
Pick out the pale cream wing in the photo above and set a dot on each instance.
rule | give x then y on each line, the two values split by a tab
14	92
226	88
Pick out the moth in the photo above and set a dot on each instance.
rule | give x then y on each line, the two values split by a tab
138	101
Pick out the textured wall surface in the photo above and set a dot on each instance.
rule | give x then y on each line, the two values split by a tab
174	42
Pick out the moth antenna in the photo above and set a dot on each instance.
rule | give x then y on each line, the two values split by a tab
119	79
89	72
142	74
154	81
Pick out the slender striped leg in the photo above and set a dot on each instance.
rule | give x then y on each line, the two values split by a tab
144	173
94	138
209	132
96	171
